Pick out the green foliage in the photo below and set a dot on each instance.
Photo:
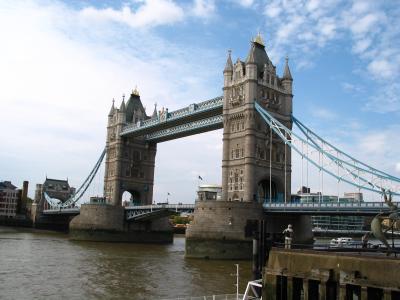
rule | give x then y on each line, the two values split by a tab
180	220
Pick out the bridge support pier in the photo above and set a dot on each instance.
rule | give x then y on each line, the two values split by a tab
223	229
218	230
106	223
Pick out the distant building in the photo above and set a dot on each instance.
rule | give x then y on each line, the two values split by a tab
9	198
332	222
98	200
208	192
54	188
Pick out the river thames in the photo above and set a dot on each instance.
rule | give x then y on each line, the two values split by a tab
39	264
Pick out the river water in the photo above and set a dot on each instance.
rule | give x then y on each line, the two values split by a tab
39	264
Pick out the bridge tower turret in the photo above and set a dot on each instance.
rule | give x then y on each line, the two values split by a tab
129	161
248	158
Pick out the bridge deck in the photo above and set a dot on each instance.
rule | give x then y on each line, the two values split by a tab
195	118
335	208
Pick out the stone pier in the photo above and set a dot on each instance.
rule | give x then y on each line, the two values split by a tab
106	223
309	274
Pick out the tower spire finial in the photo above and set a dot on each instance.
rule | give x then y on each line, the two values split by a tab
258	39
229	64
135	92
154	115
112	108
286	71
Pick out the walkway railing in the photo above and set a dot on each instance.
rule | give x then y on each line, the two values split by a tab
211	297
315	206
62	211
192	109
176	207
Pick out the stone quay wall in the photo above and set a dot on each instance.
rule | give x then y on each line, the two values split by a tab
292	274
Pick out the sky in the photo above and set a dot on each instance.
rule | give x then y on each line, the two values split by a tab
62	63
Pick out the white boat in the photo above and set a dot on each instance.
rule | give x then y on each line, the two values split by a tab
341	242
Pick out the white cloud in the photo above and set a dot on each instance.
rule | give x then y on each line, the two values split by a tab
204	8
382	67
323	113
385	99
364	24
59	72
245	3
302	28
273	9
150	13
350	87
398	167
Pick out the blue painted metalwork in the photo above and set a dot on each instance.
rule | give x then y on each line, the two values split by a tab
353	161
187	128
62	211
189	111
137	212
69	203
288	137
332	208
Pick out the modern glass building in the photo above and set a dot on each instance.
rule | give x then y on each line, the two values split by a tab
339	223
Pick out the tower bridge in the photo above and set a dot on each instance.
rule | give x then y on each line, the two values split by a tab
256	115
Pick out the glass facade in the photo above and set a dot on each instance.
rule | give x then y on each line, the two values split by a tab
349	223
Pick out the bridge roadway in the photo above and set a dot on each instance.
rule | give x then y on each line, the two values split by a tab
195	118
144	212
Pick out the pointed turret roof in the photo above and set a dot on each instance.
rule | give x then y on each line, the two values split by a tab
135	92
154	115
229	64
286	72
134	104
122	107
112	108
257	54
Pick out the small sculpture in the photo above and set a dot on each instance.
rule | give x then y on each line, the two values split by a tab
392	218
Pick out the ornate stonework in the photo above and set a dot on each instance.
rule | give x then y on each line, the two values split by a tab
247	155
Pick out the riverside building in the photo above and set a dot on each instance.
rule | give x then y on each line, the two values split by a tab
54	188
332	223
9	195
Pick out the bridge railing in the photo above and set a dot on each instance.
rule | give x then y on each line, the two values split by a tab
330	205
161	206
174	115
185	127
61	210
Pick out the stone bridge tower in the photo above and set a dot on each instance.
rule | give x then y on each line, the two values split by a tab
130	161
248	158
256	167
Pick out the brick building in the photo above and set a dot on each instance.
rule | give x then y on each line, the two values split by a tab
9	199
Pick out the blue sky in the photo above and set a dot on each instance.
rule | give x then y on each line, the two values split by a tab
61	63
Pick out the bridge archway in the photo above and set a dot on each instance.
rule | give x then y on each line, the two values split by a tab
265	186
131	197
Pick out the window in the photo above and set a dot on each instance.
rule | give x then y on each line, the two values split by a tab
136	155
237	153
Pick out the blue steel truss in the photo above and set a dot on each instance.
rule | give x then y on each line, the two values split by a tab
172	117
350	170
186	129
